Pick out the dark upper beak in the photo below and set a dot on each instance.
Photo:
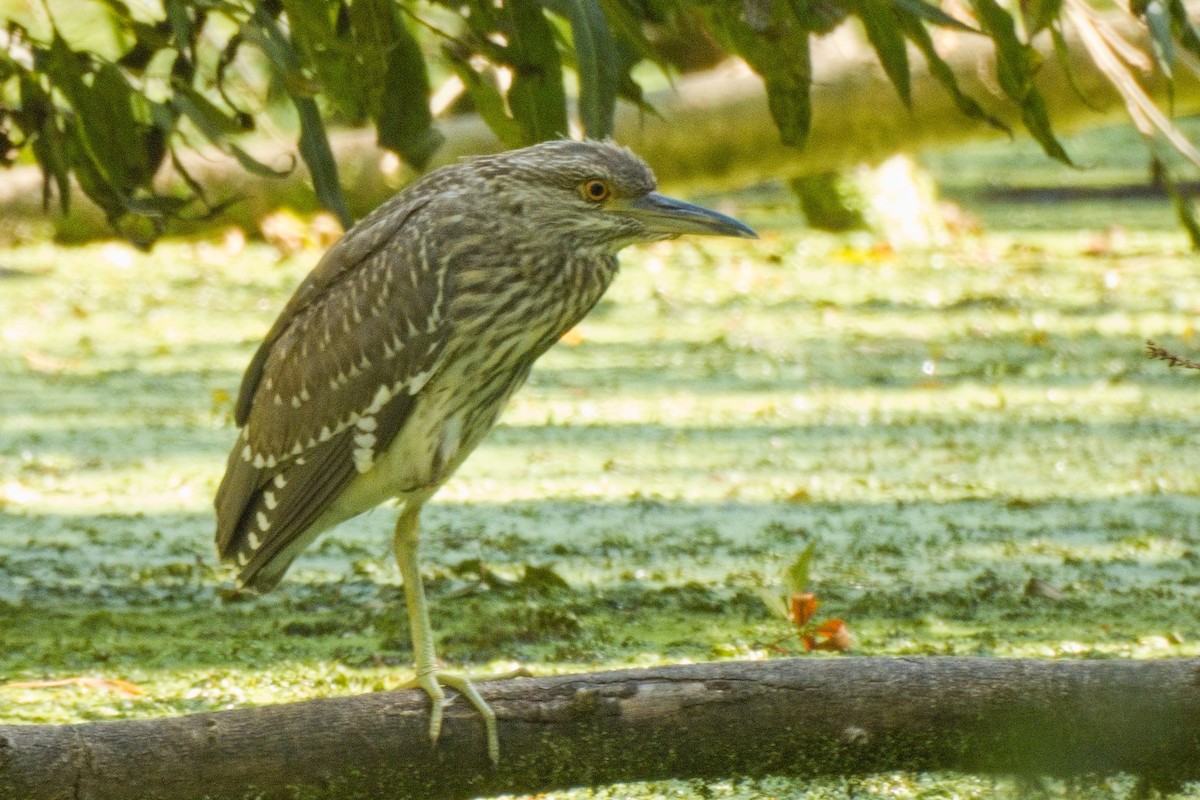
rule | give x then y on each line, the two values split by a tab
666	215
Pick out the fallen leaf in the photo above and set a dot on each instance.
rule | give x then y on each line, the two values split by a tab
103	684
804	605
830	635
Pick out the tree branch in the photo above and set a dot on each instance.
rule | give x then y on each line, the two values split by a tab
799	717
1157	351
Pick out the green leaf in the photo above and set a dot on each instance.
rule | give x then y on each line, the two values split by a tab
596	62
1062	54
796	576
180	18
264	32
943	74
790	102
1182	27
775	604
41	123
315	150
1010	51
536	97
121	146
1016	65
148	41
400	106
256	167
403	120
489	103
628	28
1158	22
217	126
933	14
335	60
1040	14
781	55
92	180
883	31
1037	121
214	123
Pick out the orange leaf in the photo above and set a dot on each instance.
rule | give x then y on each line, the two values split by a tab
107	684
834	636
803	607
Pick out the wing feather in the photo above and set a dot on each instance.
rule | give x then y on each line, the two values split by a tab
330	387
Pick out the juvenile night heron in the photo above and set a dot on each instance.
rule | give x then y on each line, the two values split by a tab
397	353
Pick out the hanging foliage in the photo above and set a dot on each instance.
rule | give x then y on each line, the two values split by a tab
181	74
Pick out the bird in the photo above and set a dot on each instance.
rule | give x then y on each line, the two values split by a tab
397	353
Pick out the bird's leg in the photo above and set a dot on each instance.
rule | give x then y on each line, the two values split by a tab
428	677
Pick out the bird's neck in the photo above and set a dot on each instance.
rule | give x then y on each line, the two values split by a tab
582	281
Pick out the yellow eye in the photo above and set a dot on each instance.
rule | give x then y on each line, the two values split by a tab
595	190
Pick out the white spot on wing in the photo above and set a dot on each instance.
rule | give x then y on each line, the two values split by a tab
263	522
417	382
252	538
280	481
363	460
382	396
269	499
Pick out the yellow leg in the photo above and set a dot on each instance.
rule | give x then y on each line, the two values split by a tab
428	676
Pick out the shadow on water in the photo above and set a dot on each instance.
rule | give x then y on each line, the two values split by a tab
674	578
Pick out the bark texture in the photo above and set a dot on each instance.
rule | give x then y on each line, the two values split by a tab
799	717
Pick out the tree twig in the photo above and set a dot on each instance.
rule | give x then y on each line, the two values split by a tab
1157	351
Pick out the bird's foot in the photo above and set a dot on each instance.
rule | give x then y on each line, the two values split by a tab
432	683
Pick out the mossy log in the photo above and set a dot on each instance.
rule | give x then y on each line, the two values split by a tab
714	129
797	717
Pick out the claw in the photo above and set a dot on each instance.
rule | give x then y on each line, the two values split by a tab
432	684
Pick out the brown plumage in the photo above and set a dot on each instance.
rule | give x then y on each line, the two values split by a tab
398	352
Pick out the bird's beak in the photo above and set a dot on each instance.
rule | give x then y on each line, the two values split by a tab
667	216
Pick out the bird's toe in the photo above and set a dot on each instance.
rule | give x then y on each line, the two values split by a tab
432	684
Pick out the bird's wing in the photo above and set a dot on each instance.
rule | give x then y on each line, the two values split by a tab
331	386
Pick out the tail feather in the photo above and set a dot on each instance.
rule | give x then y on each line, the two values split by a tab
266	517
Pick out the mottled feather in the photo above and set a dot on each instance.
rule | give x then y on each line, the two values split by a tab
311	390
397	354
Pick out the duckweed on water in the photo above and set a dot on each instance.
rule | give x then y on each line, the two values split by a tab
974	442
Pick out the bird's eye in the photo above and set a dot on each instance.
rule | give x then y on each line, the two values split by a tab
595	190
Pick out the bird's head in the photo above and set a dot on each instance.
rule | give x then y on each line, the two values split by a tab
595	194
